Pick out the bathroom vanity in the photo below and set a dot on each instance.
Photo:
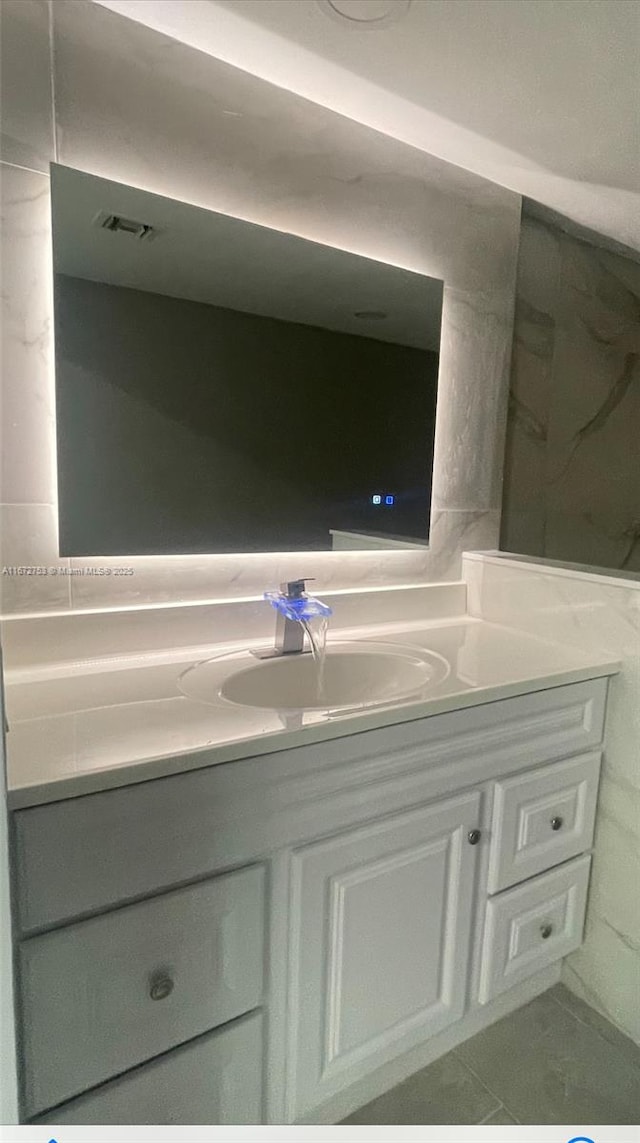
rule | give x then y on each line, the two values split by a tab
279	928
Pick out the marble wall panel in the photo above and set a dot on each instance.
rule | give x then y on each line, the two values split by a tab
572	466
471	415
27	456
32	576
524	516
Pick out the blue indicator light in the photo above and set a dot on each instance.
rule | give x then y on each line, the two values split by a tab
581	1139
389	500
376	499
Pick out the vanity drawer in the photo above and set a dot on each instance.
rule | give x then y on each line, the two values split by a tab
216	1079
542	818
532	926
106	994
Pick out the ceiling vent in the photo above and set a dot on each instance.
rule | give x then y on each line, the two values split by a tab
117	223
368	15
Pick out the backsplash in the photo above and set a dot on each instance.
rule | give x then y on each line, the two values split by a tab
90	635
135	106
572	477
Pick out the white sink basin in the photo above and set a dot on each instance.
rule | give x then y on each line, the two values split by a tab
355	676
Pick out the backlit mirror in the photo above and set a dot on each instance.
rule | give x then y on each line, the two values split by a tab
225	387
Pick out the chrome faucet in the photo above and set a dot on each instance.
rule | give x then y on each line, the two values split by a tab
294	608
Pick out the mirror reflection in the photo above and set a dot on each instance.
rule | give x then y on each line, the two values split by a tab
225	387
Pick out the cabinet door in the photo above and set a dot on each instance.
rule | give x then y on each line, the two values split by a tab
380	928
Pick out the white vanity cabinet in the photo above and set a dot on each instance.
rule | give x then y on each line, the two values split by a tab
281	938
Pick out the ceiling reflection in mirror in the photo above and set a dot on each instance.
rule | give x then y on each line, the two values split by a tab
225	387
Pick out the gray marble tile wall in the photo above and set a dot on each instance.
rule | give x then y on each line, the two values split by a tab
93	90
572	466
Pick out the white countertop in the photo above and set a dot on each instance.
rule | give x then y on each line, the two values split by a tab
76	728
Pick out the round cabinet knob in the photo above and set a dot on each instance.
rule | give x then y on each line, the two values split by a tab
473	836
557	823
546	931
160	986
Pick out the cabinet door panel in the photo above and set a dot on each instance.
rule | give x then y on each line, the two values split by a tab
382	915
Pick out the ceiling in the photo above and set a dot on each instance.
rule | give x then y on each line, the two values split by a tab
213	258
541	97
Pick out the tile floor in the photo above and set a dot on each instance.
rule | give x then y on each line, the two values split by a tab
555	1061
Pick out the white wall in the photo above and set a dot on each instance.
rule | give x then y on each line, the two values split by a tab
137	107
595	613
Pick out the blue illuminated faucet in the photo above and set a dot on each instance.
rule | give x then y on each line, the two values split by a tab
295	608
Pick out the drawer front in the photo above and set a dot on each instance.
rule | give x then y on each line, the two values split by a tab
94	852
531	926
541	819
106	994
216	1079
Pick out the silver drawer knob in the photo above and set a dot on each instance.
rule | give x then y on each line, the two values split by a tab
546	931
557	823
473	836
160	986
